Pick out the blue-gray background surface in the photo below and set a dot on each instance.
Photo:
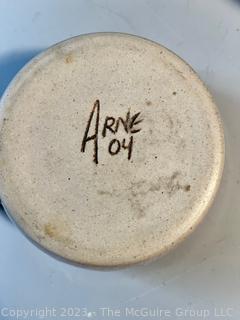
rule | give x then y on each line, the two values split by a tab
204	272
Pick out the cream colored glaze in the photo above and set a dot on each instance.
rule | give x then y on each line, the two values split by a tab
118	211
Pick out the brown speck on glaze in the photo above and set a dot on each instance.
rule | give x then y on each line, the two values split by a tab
58	231
148	102
69	58
50	230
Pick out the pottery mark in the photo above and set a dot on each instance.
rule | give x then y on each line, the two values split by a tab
111	126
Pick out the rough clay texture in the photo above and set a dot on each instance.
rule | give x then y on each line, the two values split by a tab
118	211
